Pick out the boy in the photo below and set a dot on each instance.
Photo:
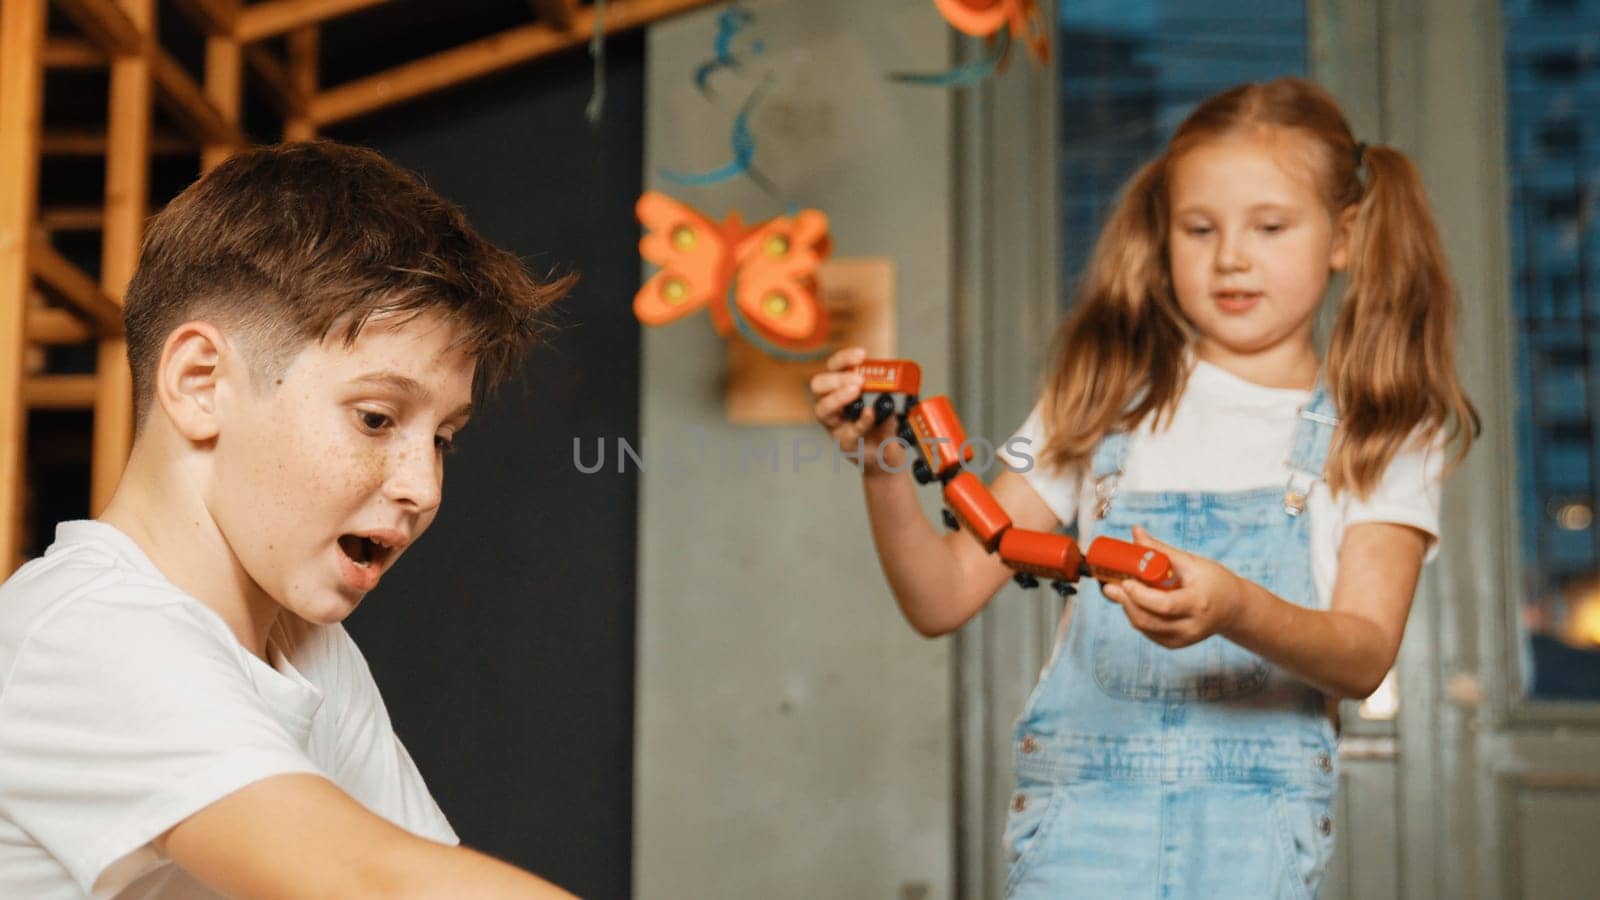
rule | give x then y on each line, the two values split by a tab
181	712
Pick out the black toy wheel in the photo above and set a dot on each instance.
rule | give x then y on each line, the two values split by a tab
921	472
1064	588
950	520
1025	581
852	410
883	407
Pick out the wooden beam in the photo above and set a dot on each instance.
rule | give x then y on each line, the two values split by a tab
59	391
72	53
482	57
22	34
187	103
225	90
213	17
127	198
106	26
94	143
55	327
560	13
303	71
65	280
71	218
117	34
263	20
272	75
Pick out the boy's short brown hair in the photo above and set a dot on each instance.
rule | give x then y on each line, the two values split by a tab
283	245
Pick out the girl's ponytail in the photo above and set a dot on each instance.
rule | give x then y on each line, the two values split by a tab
1391	357
1119	356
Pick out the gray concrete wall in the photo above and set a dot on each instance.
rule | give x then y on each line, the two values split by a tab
793	733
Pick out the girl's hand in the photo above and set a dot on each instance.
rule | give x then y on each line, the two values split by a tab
833	390
1207	602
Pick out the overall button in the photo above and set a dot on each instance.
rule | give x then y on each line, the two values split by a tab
1029	745
1326	825
1325	763
1020	803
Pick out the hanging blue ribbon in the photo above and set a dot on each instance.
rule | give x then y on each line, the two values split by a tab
744	150
742	142
597	52
729	23
962	76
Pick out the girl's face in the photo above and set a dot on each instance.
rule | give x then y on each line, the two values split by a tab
1251	245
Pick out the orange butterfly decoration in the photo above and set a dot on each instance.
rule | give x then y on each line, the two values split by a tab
982	18
760	280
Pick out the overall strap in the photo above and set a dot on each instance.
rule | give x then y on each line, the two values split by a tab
1110	457
1308	456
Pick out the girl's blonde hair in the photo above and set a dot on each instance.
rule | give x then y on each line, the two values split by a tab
1391	358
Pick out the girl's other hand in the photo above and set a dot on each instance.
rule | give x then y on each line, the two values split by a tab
833	390
1207	602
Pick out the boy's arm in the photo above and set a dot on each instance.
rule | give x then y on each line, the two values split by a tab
299	836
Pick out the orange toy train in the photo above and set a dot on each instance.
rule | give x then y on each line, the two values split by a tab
932	428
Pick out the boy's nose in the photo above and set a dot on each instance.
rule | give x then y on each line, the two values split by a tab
415	480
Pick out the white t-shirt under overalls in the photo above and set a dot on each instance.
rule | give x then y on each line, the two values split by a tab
1229	434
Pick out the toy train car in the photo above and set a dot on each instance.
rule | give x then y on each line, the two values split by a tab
974	507
1112	560
934	430
1037	554
885	378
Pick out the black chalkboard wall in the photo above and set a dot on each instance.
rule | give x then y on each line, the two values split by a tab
504	641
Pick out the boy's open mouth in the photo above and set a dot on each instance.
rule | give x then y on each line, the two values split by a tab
364	551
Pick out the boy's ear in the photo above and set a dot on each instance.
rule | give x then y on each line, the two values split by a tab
1344	229
187	376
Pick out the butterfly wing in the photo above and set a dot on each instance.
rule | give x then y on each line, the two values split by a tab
975	17
692	255
776	283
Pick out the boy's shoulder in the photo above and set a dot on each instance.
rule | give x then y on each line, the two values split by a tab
85	555
93	591
95	598
88	560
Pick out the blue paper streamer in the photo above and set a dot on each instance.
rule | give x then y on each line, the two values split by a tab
597	52
961	76
743	144
729	24
744	150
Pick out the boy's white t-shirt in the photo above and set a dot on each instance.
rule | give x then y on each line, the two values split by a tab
1229	434
126	705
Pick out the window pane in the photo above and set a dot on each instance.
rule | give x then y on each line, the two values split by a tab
1553	136
1132	69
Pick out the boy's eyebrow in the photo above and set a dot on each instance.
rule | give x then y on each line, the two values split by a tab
405	384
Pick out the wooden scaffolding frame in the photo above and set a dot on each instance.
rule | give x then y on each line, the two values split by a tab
122	35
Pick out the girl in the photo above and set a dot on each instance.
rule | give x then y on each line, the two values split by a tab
1181	744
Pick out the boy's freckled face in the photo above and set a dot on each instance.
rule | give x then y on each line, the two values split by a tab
322	480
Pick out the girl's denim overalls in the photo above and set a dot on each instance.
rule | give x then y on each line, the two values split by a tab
1199	772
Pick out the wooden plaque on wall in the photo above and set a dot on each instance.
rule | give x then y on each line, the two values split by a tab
859	294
